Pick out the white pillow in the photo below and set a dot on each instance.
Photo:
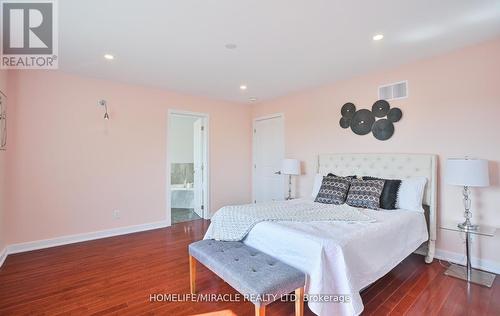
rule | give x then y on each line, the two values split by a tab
411	194
318	180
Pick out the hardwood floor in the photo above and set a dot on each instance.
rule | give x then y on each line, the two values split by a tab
117	276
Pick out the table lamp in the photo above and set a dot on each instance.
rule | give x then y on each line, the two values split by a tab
290	167
467	172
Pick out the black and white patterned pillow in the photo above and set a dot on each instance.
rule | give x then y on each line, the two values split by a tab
389	194
365	193
333	190
348	177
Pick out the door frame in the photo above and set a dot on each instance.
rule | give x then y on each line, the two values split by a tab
254	121
206	157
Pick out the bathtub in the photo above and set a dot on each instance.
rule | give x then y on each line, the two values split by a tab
181	197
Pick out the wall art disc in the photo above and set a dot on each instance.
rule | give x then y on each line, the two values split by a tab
348	110
383	129
362	122
394	115
345	122
380	108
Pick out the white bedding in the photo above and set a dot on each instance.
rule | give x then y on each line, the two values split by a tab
340	257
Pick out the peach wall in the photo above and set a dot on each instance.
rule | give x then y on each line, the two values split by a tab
3	160
68	168
453	109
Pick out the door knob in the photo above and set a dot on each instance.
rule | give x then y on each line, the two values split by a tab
277	172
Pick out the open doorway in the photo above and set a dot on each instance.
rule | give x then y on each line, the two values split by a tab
188	153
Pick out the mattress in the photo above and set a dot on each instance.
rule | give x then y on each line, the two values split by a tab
341	258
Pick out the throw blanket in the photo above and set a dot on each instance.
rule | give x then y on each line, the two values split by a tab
233	223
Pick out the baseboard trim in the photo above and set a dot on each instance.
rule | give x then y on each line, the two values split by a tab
3	255
455	257
459	258
71	239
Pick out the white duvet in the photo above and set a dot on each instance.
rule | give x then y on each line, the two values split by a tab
341	257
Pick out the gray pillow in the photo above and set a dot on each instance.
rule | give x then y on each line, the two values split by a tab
365	193
333	190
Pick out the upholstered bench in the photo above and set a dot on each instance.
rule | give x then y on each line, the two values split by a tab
257	276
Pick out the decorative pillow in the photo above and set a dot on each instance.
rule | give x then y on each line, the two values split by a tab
348	177
365	193
318	179
411	194
389	193
333	190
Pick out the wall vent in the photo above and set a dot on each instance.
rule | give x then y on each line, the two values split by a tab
393	91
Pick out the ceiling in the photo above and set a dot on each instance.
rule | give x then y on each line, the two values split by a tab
283	46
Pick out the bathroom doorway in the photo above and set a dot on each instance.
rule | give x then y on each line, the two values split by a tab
188	162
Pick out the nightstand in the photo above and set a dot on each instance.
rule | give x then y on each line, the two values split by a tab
467	273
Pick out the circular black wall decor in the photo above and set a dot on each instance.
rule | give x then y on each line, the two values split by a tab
383	129
348	110
345	122
380	108
394	115
365	121
362	122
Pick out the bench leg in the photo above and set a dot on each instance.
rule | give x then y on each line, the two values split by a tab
260	310
192	274
299	302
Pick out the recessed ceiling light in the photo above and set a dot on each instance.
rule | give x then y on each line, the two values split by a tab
243	87
231	46
378	37
253	99
109	56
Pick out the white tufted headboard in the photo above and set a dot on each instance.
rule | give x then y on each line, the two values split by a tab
390	166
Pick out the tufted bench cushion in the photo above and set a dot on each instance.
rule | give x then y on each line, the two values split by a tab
254	274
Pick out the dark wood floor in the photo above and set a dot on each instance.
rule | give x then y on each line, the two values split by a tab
117	275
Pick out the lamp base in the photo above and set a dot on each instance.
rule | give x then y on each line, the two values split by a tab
289	197
468	226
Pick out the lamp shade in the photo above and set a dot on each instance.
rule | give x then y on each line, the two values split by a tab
291	166
467	172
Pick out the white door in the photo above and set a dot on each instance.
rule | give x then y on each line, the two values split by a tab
198	151
269	151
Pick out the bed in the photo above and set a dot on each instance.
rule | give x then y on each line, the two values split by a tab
342	258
